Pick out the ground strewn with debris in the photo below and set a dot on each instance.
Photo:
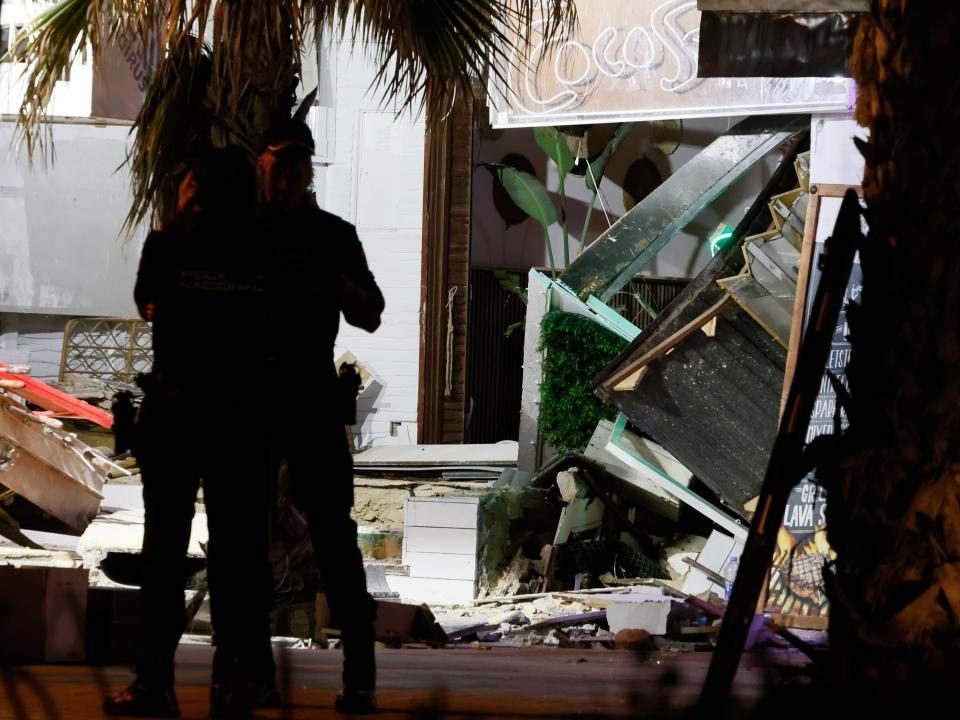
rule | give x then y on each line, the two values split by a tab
520	683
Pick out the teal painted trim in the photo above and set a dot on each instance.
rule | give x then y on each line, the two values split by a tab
619	427
599	313
627	328
680	491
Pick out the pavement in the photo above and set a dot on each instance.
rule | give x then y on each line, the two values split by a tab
530	683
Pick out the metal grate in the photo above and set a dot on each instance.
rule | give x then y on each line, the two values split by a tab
656	293
494	362
109	349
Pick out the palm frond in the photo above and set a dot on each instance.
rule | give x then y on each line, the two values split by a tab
232	91
55	38
428	50
173	123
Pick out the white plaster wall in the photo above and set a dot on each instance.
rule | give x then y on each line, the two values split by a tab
62	249
375	180
34	340
522	246
371	174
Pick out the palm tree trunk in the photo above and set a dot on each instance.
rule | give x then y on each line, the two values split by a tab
894	483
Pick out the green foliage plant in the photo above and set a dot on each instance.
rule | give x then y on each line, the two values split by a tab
575	349
531	196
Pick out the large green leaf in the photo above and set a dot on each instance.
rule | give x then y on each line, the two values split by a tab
554	144
527	192
599	164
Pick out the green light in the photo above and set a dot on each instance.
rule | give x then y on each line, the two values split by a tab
719	237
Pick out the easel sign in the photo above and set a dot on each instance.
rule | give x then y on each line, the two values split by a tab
795	588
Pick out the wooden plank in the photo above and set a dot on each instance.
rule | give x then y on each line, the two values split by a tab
715	576
558	622
446	264
803	276
801	622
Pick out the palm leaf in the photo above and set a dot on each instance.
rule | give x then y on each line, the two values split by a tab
427	50
173	123
55	38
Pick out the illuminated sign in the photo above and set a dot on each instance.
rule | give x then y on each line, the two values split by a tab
636	60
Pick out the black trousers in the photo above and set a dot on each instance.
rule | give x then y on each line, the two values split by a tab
182	443
321	483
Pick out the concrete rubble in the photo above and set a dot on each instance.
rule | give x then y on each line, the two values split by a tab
582	555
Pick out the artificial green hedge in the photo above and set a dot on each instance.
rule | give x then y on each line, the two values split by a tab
576	349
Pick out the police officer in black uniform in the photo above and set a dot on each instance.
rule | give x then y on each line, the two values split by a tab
318	272
202	283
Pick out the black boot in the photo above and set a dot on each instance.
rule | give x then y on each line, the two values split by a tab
150	695
233	693
139	700
356	701
358	696
266	692
267	696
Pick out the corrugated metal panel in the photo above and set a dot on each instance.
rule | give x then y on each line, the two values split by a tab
713	403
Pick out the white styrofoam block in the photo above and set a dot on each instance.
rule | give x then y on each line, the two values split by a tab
714	556
457	541
651	615
445	566
431	590
458	512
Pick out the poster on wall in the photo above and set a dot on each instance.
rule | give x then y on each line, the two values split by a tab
636	60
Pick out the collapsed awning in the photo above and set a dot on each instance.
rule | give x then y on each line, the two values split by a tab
704	381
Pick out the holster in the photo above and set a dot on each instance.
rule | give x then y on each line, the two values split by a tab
348	385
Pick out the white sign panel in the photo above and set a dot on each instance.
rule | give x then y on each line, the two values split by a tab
637	60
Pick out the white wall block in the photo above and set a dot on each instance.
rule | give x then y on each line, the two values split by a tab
432	590
439	540
442	512
651	616
441	565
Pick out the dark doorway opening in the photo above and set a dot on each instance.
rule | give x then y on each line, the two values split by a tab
494	361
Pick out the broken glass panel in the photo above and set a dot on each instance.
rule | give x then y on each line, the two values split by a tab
634	240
